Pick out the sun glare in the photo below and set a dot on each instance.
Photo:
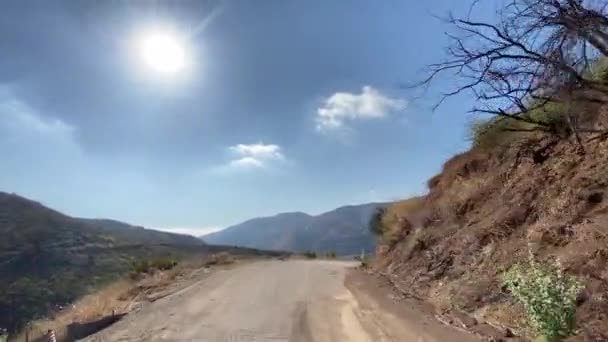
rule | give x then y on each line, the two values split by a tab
163	52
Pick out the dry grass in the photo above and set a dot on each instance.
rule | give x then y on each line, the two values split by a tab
399	219
487	210
222	258
94	306
124	295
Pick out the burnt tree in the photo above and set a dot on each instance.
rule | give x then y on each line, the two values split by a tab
538	52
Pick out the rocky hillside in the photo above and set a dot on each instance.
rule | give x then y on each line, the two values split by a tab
47	258
343	230
493	207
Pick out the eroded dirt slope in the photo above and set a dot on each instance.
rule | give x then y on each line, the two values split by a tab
486	211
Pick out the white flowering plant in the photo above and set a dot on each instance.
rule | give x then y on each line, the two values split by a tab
548	296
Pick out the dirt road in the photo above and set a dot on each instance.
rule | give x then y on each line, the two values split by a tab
293	300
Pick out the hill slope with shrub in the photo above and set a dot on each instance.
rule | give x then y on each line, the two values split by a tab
495	206
49	259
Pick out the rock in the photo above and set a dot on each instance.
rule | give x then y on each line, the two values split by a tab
465	319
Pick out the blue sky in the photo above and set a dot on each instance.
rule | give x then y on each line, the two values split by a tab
280	106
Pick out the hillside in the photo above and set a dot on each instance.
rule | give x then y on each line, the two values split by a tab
48	259
343	230
490	208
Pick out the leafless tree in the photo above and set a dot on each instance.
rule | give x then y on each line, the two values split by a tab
539	51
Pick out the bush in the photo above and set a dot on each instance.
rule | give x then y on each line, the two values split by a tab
163	264
488	133
331	255
148	266
500	131
599	70
399	219
222	258
552	114
141	266
365	261
375	222
310	255
548	296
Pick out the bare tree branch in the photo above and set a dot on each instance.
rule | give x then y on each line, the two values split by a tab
539	52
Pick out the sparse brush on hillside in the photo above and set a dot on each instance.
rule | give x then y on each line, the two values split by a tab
331	255
148	266
48	259
365	260
310	255
222	258
496	132
395	222
375	223
534	178
485	211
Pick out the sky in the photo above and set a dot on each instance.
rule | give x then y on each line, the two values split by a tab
277	106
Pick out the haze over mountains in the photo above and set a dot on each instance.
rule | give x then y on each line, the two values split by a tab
343	231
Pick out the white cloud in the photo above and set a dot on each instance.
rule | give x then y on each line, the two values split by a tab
342	107
255	155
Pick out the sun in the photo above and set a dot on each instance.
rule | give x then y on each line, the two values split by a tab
163	52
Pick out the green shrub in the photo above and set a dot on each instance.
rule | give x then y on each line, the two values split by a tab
331	255
148	266
599	70
365	261
310	255
548	296
552	114
141	266
500	131
163	264
375	224
486	133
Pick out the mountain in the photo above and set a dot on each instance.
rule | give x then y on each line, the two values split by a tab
48	258
343	230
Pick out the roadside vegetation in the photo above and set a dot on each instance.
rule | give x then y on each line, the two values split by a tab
149	281
149	266
532	183
393	223
221	258
547	295
310	255
49	261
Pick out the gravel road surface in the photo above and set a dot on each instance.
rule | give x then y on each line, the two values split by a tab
292	300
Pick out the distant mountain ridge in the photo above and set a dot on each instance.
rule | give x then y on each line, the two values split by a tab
343	230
